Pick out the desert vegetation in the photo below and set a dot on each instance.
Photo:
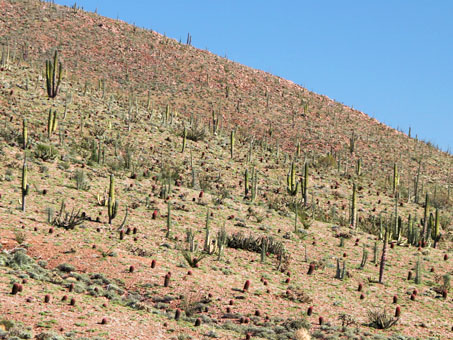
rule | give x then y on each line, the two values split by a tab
150	190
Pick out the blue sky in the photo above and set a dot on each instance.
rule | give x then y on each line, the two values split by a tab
392	59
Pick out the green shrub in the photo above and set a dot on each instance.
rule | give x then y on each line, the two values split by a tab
45	152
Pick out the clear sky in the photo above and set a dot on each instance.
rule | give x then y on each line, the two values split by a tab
392	59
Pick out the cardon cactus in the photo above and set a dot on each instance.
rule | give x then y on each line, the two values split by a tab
184	139
112	203
435	233
25	188
353	217
232	142
305	184
292	186
395	178
246	182
52	123
24	134
53	76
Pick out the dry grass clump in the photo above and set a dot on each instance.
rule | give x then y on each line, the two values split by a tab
302	334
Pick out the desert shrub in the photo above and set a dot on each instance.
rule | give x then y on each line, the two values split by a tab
66	268
81	180
45	152
169	172
276	202
68	220
49	336
292	325
20	236
254	243
192	303
380	319
440	200
303	213
196	132
297	295
21	261
346	320
302	334
327	161
205	181
10	135
192	259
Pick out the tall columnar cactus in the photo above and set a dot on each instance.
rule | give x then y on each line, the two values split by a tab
381	228
167	114
232	142
353	207
207	240
246	182
352	141
184	139
53	76
435	233
305	102
52	123
410	231
395	178
418	271
215	122
375	253
298	150
359	167
425	218
395	221
25	188
430	228
383	256
292	185
399	229
416	182
254	184
112	203
305	184
168	220
24	134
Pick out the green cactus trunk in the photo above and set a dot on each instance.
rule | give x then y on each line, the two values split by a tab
410	232
395	178
25	188
435	234
292	186
246	182
168	220
254	184
425	218
24	134
232	142
381	229
305	184
395	221
383	257
53	76
112	203
353	207
184	139
418	271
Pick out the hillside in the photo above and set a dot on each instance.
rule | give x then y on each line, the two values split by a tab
126	98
